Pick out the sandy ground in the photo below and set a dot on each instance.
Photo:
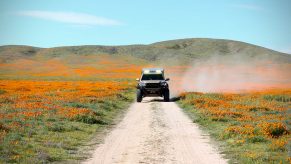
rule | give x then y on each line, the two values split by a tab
156	132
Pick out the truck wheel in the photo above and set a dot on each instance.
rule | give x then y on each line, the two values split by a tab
166	95
138	96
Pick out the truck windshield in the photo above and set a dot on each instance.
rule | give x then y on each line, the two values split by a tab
152	77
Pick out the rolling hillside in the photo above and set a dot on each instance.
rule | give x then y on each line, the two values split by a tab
183	50
89	62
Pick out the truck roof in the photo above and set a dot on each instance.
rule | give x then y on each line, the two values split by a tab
152	69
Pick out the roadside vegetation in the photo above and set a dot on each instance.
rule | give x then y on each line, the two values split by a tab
46	121
252	127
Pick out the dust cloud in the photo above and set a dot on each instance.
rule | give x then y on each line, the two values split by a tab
233	74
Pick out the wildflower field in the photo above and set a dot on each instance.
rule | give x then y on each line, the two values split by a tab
253	127
50	109
44	121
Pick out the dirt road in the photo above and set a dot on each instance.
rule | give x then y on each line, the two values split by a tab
156	132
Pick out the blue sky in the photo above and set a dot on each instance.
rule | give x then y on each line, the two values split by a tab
50	23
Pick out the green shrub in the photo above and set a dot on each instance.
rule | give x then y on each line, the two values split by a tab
90	119
2	91
77	105
280	98
256	139
57	128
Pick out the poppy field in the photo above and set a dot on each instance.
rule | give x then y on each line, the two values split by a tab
253	127
52	108
43	121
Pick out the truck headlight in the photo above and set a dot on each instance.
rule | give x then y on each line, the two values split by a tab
142	84
164	84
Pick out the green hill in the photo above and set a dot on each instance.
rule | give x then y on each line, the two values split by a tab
182	50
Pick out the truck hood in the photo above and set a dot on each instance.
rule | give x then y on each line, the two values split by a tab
152	81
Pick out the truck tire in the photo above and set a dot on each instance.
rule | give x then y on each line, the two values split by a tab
138	95
166	95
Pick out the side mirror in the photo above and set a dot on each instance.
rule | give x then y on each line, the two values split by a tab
167	79
137	79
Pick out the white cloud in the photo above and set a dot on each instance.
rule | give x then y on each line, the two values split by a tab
70	17
249	7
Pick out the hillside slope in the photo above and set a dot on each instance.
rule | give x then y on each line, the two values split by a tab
182	50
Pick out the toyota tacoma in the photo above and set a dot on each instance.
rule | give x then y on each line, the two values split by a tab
152	83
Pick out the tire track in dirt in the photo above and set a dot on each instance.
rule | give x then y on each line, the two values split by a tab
156	132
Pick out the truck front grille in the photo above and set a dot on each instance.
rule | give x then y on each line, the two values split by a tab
152	85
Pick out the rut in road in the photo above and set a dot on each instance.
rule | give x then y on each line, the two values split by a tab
156	132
